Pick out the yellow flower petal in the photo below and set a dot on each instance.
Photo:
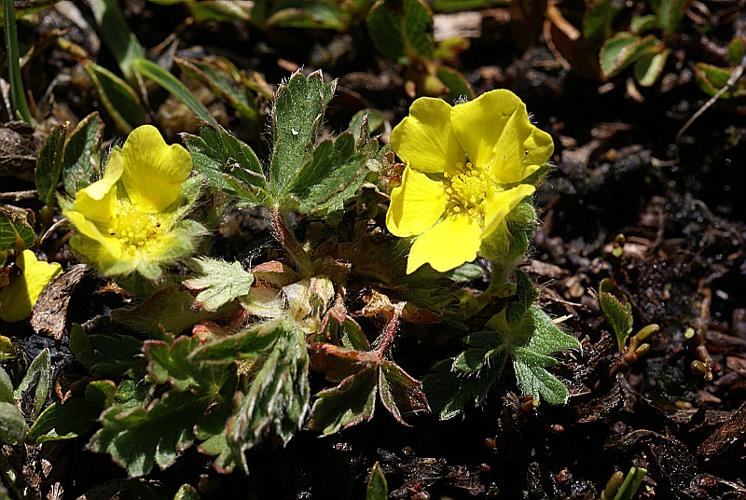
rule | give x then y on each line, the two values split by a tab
497	135
425	139
415	205
499	206
521	149
447	245
18	299
97	200
110	245
153	171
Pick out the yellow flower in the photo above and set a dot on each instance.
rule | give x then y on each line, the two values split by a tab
129	220
18	298
464	170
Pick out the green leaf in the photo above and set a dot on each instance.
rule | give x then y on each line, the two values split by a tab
224	79
736	50
377	488
212	432
15	233
463	5
449	392
227	163
348	404
333	173
13	426
458	87
6	387
632	482
119	99
170	363
401	394
375	120
224	10
599	14
220	282
17	92
75	416
167	311
525	295
248	343
171	84
401	28
649	68
623	49
531	359
186	492
713	78
642	24
49	165
81	161
297	114
618	311
670	13
33	390
277	397
318	14
117	35
109	355
140	437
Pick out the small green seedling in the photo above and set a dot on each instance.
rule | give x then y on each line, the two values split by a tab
618	312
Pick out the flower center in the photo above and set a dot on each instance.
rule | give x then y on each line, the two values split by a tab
133	228
467	190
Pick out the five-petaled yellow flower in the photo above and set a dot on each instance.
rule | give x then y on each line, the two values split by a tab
129	220
18	298
464	170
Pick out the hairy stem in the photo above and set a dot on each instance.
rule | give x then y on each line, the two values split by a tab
282	233
386	338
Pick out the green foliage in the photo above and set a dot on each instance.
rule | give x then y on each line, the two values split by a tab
297	113
75	416
670	13
81	159
598	18
363	377
224	79
310	179
618	311
624	49
377	488
521	332
169	82
401	28
17	92
220	282
169	363
15	233
632	482
109	355
712	79
49	165
139	437
33	390
167	311
115	32
13	426
274	397
119	99
186	492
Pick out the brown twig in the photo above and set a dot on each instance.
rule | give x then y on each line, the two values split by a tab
386	339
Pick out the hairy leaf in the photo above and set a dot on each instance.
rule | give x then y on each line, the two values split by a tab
33	390
297	114
401	28
349	403
618	311
75	416
377	489
108	355
140	437
81	160
119	99
49	165
170	363
13	426
623	49
15	233
220	282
